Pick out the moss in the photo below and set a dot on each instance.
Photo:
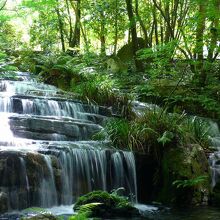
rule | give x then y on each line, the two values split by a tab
184	163
104	204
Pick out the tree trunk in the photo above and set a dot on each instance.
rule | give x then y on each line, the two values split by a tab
70	34
102	34
60	23
80	24
116	27
135	47
200	71
143	28
75	41
214	32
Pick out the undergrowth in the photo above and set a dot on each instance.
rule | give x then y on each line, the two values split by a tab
155	130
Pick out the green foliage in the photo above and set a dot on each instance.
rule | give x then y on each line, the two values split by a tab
10	37
101	90
185	97
103	204
155	130
3	56
190	183
197	130
80	216
166	137
85	211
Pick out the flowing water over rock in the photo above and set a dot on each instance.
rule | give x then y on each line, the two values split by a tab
47	157
214	159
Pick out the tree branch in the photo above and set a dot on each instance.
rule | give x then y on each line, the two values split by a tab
3	5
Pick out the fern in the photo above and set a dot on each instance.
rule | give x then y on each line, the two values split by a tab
189	183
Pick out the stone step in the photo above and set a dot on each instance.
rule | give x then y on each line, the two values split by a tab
24	104
51	128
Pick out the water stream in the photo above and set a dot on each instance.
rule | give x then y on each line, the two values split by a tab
47	156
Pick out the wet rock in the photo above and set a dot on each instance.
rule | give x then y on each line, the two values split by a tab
41	217
44	128
185	164
3	202
17	106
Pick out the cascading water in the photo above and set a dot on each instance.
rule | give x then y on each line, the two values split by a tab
214	159
47	157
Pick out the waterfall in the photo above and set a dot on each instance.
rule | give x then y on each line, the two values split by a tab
47	157
214	158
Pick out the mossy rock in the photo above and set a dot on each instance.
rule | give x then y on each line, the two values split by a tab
41	217
185	164
104	204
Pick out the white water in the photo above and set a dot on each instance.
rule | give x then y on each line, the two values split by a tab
214	158
54	173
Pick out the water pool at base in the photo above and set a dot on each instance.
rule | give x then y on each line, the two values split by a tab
149	213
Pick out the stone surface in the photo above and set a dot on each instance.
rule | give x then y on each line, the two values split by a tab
3	202
51	128
185	163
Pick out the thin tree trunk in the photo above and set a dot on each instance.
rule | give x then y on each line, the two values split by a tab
70	35
60	22
199	45
143	28
214	32
138	63
116	27
102	34
155	26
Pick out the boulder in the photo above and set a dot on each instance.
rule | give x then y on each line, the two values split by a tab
186	165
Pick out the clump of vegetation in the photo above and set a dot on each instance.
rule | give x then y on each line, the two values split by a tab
155	130
185	96
190	183
104	204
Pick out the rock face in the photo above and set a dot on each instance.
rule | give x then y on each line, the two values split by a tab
185	163
3	202
178	163
47	156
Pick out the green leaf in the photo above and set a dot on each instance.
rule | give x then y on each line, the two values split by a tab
166	137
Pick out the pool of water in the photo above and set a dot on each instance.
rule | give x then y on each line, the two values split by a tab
149	213
199	213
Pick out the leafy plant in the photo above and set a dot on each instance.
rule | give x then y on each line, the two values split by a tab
196	130
189	183
104	204
166	137
155	130
79	216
